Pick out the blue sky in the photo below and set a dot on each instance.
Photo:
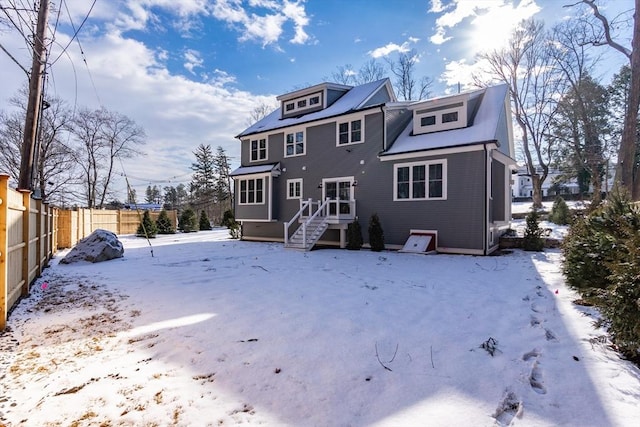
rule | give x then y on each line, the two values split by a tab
191	71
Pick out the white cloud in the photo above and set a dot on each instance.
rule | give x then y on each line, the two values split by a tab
296	12
132	79
436	6
267	27
192	60
390	48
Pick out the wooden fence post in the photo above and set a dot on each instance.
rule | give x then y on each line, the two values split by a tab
4	250
26	222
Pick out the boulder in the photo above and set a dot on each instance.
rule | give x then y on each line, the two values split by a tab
101	245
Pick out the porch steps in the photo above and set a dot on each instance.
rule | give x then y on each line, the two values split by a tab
315	228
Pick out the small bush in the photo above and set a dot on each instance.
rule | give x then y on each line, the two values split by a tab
533	240
560	213
147	227
354	236
187	222
376	235
163	223
228	220
204	223
235	230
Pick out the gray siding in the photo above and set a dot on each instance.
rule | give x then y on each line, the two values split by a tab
380	97
325	160
502	134
258	212
334	95
459	219
498	171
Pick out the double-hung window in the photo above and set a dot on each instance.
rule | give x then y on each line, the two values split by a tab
258	150
350	132
294	144
294	188
420	181
252	191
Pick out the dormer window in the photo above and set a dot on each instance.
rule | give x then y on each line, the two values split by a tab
428	121
450	117
438	115
302	104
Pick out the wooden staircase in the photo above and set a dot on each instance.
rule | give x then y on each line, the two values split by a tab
311	228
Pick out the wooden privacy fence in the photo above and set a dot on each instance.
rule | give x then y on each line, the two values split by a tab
78	224
27	243
31	232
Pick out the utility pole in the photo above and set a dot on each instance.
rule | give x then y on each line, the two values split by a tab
35	93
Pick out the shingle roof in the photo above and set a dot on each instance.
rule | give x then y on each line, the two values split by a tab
250	170
350	101
484	127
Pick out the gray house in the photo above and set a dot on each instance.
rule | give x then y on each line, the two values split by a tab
436	172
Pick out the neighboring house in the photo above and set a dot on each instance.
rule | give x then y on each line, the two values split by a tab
333	153
523	184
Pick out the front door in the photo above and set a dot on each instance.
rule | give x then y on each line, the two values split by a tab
339	191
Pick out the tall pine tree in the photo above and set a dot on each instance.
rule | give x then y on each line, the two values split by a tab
202	186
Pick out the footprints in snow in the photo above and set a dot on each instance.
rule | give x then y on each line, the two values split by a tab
535	376
539	309
511	406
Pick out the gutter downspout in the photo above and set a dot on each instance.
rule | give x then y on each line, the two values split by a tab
485	223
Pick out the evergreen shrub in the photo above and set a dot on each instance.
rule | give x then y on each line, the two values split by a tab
376	235
592	242
560	213
354	236
533	240
147	227
163	223
204	223
187	222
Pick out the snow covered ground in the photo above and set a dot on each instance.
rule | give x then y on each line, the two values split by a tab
211	331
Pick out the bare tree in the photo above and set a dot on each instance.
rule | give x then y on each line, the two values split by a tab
260	111
526	64
627	170
370	71
121	137
407	85
344	74
103	137
11	128
585	101
54	174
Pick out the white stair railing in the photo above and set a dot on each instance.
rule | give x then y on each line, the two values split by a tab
321	211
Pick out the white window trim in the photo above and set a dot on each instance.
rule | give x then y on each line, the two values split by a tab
291	182
308	105
264	191
350	120
266	151
304	141
426	164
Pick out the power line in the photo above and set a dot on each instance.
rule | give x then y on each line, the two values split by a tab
75	34
14	60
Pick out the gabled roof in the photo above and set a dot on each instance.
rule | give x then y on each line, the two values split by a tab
484	126
353	100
